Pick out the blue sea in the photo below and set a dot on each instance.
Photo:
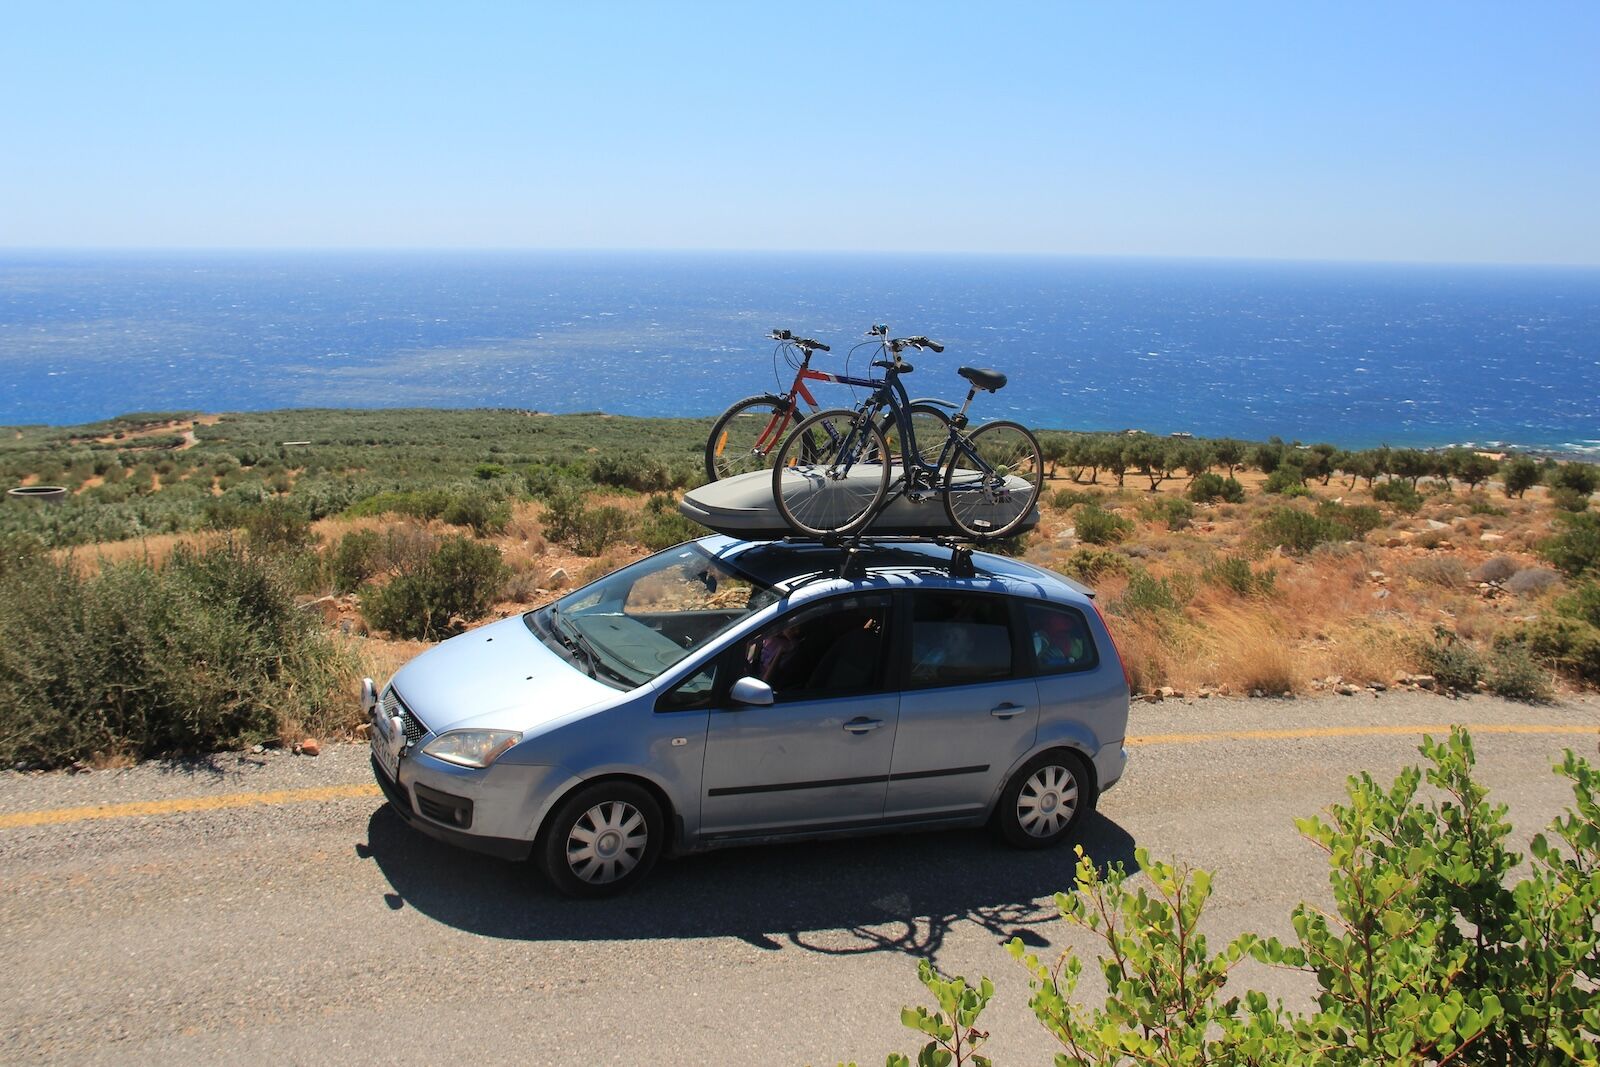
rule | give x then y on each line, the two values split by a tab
1355	354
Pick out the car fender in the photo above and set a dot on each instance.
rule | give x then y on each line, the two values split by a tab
683	821
1070	735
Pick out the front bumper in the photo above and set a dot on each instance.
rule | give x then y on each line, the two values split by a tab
399	797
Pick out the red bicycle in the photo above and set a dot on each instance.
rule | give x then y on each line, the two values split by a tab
747	435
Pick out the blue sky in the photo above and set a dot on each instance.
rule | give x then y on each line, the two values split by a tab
1393	131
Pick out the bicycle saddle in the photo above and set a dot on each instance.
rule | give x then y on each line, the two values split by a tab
991	380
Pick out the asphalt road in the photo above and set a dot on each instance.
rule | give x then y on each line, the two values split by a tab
268	908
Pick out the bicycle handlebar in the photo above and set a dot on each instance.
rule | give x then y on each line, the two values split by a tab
895	344
785	337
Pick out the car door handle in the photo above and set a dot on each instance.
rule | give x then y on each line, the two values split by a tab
1007	710
862	726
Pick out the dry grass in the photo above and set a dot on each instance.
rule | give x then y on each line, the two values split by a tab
154	549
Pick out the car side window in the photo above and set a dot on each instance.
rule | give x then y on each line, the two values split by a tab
694	692
830	650
1060	639
959	639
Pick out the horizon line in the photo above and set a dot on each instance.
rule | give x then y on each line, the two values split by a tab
856	252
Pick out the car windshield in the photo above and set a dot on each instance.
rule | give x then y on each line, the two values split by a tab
628	627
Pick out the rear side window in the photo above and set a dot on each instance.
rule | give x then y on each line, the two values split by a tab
959	639
1060	639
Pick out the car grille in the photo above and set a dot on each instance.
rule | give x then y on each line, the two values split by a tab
415	729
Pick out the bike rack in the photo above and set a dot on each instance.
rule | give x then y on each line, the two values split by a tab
855	546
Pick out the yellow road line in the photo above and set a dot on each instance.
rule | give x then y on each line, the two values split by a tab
56	816
1437	729
181	805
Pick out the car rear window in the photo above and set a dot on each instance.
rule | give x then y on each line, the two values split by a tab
959	639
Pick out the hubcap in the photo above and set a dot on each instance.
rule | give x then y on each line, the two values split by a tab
1047	802
607	841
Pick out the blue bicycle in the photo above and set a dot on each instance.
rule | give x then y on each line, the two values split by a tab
833	472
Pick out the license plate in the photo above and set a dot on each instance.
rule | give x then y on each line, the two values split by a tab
385	746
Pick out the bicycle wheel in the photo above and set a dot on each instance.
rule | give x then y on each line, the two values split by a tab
829	476
930	428
992	480
745	436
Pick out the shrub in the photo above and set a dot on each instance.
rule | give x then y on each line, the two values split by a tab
276	525
1444	571
1174	511
1496	569
1149	595
1090	564
1285	480
1401	496
600	528
208	651
488	471
1233	572
633	470
1298	531
1209	488
1097	526
417	504
1570	500
1454	664
1576	549
1582	603
1359	519
1428	954
457	583
355	559
1065	499
1531	581
1570	645
482	514
1478	504
662	526
1513	674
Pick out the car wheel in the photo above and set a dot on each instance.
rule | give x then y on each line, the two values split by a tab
602	839
1045	801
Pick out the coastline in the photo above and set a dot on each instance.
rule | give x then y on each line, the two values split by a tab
1586	451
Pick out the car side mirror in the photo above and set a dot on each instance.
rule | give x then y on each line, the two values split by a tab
751	691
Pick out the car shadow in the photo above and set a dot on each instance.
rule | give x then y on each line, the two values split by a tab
893	893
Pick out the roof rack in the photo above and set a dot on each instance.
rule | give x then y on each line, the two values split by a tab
855	546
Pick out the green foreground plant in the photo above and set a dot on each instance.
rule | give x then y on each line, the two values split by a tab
1430	954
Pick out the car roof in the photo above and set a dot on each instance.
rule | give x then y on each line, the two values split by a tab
801	569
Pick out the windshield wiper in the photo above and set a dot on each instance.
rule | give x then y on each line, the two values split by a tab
569	635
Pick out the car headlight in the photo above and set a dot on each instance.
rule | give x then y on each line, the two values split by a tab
472	748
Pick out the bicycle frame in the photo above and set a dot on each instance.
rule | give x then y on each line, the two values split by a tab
889	392
778	425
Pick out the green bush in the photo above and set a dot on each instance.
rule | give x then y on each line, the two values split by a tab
355	559
1299	531
662	526
1566	499
1209	488
277	525
1149	595
479	512
415	503
1429	954
1402	496
1576	549
1513	674
588	531
1175	512
1454	664
1583	602
634	470
1285	480
457	583
1065	499
1097	526
207	651
1572	646
1233	572
1090	564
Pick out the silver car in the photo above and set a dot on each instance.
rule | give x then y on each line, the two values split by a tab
727	692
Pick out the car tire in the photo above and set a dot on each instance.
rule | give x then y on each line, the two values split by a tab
1045	801
602	840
